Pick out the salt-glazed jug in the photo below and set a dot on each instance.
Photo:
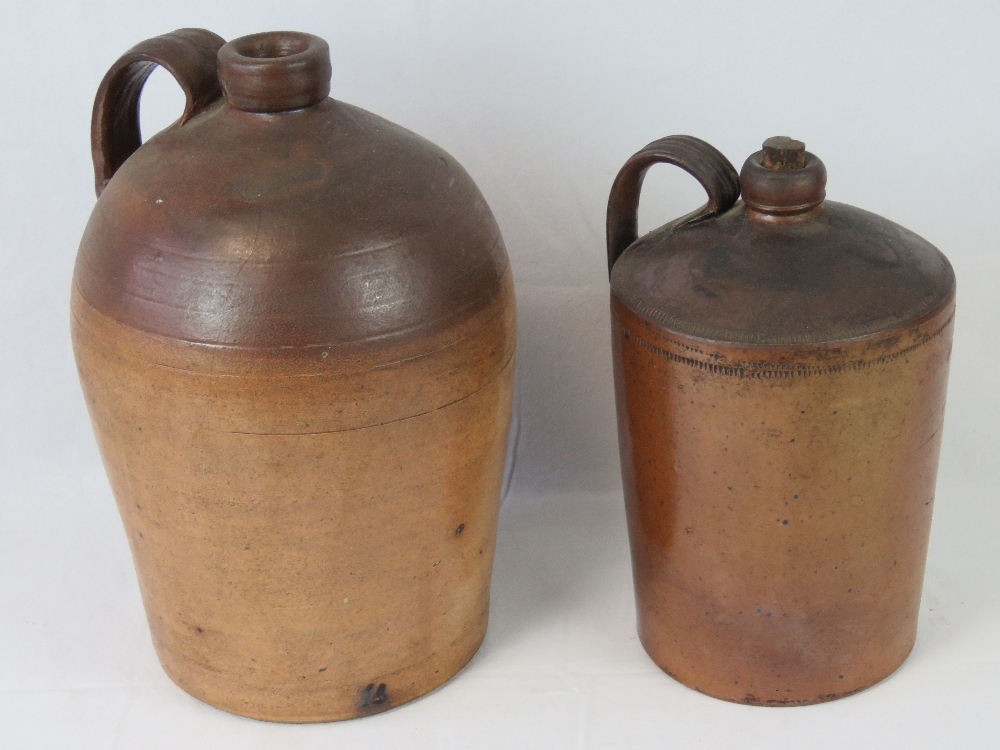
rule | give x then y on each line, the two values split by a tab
294	326
780	368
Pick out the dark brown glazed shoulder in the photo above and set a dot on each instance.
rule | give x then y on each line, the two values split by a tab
325	225
837	273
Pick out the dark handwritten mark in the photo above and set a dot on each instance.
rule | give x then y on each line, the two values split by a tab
372	696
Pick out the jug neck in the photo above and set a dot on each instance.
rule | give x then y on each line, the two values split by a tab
275	71
782	180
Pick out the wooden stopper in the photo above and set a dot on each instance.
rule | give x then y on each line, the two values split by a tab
782	152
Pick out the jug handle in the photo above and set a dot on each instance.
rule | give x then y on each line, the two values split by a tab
702	161
189	55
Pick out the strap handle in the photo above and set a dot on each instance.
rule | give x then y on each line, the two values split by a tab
189	55
702	161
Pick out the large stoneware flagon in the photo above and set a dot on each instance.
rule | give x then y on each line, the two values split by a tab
294	326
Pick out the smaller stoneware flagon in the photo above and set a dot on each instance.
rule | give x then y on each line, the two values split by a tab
780	369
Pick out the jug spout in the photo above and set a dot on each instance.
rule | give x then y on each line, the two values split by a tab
275	71
782	179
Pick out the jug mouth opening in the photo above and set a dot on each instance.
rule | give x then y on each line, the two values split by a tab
271	44
275	71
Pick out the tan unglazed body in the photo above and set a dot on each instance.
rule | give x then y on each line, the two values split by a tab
311	545
779	504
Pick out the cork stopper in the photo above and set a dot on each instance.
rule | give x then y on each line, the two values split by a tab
782	152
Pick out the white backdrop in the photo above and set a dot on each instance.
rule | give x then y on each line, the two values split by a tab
541	102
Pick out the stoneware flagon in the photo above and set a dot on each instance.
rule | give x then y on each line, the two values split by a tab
780	368
294	326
